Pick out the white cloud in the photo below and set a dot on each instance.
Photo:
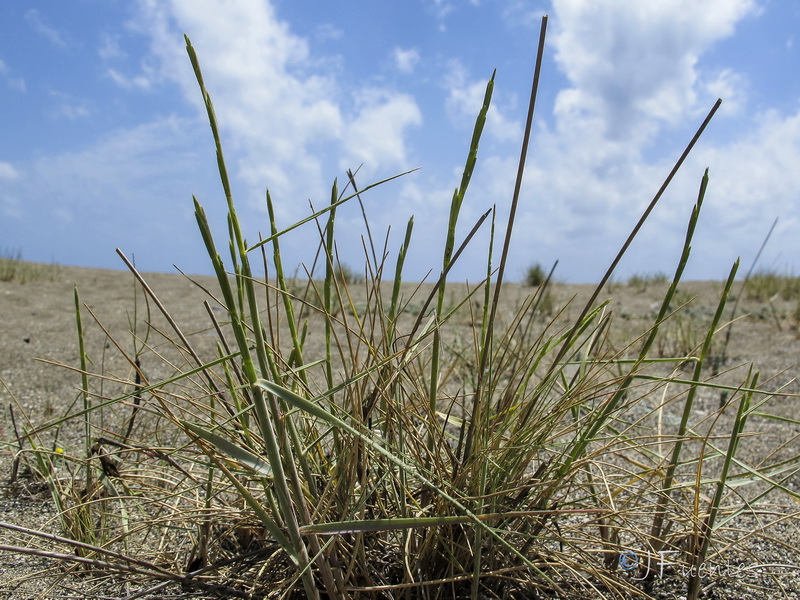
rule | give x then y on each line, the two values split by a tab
756	178
328	32
274	111
633	67
442	8
111	52
72	111
377	134
636	74
16	83
732	88
465	99
110	48
7	171
55	37
282	115
405	60
142	81
520	13
117	160
69	107
291	120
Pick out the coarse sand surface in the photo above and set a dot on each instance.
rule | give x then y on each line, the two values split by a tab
38	328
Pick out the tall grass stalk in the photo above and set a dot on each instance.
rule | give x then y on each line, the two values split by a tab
675	460
292	509
87	402
455	209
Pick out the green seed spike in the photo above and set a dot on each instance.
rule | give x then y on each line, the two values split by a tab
449	246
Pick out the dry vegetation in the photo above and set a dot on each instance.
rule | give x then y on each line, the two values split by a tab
337	436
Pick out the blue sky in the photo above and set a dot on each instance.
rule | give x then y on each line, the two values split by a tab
104	139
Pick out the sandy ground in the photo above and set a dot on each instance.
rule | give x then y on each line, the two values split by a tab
37	321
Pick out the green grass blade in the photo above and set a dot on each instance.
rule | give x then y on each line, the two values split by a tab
455	209
87	401
706	530
330	273
287	300
398	274
265	415
235	451
669	476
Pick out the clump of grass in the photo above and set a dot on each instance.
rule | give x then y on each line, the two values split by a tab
684	331
307	292
348	276
767	285
404	458
13	268
641	281
535	275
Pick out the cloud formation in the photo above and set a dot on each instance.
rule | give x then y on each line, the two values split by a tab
636	78
283	115
299	103
54	36
16	83
7	171
405	60
634	67
465	98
